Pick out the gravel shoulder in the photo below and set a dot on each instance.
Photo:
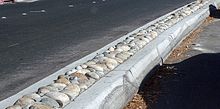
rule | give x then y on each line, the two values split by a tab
184	81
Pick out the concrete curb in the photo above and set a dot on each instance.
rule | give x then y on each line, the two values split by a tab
117	87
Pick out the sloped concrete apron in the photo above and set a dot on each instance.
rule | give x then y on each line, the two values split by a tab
114	89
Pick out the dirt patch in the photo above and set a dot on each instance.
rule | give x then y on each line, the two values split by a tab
152	86
178	53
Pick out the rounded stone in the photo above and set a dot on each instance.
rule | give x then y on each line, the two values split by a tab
78	67
92	75
72	91
96	67
60	86
33	96
43	90
119	60
81	77
154	34
61	98
50	102
90	63
111	66
84	66
124	47
111	49
24	101
14	107
40	106
62	80
71	71
83	71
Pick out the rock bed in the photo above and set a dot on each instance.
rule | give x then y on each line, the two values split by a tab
69	85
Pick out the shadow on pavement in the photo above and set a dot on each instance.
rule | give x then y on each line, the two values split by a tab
191	84
214	12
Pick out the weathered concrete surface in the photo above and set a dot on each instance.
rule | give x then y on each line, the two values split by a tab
197	83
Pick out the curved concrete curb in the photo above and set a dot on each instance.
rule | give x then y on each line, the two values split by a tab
116	88
119	86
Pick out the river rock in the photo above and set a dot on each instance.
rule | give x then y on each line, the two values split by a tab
97	67
154	34
91	69
71	71
60	86
81	77
14	107
50	102
61	98
92	75
111	49
122	56
84	66
83	71
43	90
72	90
90	63
62	80
40	106
112	54
124	47
78	67
33	96
24	101
140	43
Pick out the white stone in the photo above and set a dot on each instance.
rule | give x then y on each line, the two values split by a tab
111	49
92	75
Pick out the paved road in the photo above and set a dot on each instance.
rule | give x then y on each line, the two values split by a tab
197	83
37	39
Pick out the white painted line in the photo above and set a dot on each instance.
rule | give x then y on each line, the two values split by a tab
24	14
38	11
70	6
3	17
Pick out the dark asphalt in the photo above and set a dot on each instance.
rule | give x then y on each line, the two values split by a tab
38	44
196	84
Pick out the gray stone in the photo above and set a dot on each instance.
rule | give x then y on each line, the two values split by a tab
50	102
61	98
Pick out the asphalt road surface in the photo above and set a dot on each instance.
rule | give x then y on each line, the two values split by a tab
37	39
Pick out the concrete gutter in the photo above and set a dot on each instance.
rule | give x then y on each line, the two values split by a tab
116	88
